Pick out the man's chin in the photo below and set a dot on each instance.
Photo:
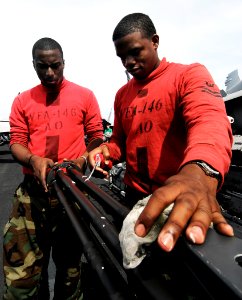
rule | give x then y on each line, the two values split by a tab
139	74
51	85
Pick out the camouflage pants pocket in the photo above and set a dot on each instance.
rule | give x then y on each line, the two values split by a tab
22	257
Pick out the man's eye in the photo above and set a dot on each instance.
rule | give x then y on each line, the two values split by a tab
42	66
52	66
55	66
135	52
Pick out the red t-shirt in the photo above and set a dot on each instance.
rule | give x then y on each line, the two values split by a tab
53	125
174	116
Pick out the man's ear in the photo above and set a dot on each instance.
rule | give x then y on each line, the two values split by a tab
155	40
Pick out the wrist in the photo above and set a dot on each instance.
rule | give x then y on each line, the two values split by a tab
30	159
104	145
207	169
85	159
194	170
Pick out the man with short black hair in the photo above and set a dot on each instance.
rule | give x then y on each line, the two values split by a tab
171	128
48	125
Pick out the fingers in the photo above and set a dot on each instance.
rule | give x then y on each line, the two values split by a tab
99	150
224	228
92	154
187	207
197	228
156	204
160	199
199	222
47	164
193	212
40	169
43	180
100	170
219	222
106	152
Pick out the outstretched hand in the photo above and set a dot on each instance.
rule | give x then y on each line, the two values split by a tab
195	207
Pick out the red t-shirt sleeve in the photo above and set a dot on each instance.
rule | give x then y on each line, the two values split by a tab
93	122
209	134
117	144
19	129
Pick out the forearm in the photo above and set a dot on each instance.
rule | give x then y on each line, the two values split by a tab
93	144
209	135
117	144
21	154
82	160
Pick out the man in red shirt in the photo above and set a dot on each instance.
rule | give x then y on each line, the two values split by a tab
48	125
171	128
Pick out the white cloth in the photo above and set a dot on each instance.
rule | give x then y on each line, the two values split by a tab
132	245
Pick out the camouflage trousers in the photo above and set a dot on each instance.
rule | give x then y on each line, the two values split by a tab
38	227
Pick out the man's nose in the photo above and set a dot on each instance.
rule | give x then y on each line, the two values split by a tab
129	60
49	71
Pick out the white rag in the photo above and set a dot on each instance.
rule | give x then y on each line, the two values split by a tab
132	245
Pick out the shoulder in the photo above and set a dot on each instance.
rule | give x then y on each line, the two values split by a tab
196	68
191	70
197	73
77	87
36	88
194	73
186	68
125	88
27	94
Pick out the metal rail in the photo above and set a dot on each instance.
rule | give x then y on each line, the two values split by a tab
209	271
